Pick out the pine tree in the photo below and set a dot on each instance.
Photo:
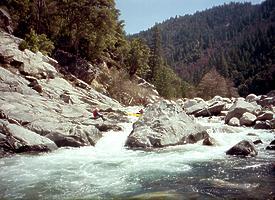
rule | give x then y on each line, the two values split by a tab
138	58
156	58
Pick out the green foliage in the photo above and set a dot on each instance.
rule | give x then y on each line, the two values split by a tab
88	29
36	42
138	58
168	84
237	39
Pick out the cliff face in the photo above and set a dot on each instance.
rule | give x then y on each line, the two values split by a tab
40	110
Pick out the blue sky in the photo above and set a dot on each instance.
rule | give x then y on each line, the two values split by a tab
142	14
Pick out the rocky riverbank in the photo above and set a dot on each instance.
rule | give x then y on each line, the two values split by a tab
42	109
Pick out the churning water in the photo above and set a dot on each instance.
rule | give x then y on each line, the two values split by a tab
111	171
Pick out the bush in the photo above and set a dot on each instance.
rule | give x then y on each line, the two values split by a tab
127	91
35	42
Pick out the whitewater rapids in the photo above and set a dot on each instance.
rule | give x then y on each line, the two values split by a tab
110	170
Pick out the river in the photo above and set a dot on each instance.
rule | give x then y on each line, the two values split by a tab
111	171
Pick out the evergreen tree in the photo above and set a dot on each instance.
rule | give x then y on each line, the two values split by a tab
156	58
138	58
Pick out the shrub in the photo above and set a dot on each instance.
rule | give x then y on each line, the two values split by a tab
36	42
127	91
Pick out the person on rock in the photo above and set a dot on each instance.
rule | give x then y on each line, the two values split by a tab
140	112
97	115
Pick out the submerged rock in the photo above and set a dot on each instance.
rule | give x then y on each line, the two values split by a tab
164	124
209	141
243	148
258	142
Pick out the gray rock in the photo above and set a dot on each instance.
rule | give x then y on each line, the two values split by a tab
78	136
188	103
251	98
209	141
234	122
198	99
107	127
13	83
164	124
265	115
239	108
196	108
23	140
213	110
247	119
32	63
262	125
266	101
243	148
258	142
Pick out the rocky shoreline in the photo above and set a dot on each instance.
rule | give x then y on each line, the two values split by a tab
41	111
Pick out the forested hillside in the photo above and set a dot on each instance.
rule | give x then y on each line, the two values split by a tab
236	39
78	32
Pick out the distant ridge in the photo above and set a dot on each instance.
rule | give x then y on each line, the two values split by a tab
237	39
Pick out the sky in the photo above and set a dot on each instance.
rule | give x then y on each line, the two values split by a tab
142	14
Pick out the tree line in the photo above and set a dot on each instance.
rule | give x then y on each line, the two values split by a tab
235	39
91	30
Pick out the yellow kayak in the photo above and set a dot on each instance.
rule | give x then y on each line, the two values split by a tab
134	114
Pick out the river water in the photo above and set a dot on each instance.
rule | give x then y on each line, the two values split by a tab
111	171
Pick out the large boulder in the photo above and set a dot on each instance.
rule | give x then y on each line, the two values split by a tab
247	119
19	139
239	108
265	115
164	124
262	125
243	148
196	108
27	62
212	110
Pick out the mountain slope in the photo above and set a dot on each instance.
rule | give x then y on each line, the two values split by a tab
237	39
